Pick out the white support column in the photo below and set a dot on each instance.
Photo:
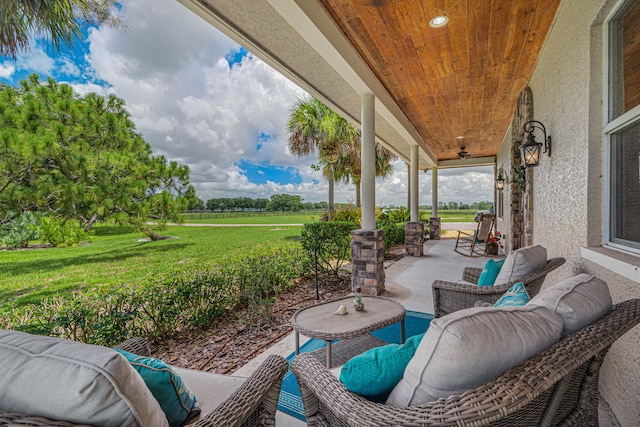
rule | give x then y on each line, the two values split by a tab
368	160
413	188
367	244
434	221
434	192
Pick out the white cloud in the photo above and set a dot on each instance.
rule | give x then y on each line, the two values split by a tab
66	66
7	69
190	106
36	60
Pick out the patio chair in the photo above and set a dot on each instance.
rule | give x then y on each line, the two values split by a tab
225	400
453	296
468	244
557	386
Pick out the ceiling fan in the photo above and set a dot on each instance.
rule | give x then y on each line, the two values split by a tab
463	154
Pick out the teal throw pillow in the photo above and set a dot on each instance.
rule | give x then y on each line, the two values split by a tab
490	272
178	403
515	295
376	372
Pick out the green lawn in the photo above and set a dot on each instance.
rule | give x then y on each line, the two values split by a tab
457	216
115	257
257	219
303	218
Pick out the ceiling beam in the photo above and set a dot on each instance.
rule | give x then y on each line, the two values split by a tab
473	161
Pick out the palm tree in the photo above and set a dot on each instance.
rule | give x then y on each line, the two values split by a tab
56	20
314	126
349	167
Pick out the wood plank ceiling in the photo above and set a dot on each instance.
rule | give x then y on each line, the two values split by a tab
461	80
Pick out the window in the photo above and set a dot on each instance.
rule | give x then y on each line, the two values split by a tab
623	127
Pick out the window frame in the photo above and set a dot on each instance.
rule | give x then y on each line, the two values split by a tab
611	126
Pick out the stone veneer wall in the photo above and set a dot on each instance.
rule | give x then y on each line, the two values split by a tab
434	228
519	207
367	259
414	238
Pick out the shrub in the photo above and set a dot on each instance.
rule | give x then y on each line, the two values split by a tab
331	242
397	215
184	299
393	234
18	232
348	214
61	234
392	222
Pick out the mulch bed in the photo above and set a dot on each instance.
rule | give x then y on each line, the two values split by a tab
235	340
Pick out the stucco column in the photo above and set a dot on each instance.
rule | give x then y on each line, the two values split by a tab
413	188
367	244
414	229
434	192
368	159
434	221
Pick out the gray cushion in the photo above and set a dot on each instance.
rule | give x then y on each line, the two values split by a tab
69	381
468	348
579	300
521	262
210	389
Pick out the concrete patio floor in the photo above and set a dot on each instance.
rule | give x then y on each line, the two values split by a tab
408	281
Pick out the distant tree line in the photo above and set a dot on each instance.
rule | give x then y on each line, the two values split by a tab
277	202
455	206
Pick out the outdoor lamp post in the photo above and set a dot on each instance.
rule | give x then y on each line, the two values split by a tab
531	149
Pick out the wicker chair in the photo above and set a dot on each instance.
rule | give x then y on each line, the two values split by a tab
449	296
254	403
558	386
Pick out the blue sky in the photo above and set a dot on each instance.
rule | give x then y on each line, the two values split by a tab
199	98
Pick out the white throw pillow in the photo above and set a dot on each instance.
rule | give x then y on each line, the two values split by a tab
521	262
70	381
579	300
468	348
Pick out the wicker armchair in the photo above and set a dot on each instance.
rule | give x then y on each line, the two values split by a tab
449	296
558	386
254	403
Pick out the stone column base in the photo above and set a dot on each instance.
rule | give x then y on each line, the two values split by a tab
434	228
367	259
414	238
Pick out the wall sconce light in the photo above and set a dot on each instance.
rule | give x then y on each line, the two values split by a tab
531	149
501	179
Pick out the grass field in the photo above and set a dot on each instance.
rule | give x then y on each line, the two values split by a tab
276	219
457	216
302	218
115	257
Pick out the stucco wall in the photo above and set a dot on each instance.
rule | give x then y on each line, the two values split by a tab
568	211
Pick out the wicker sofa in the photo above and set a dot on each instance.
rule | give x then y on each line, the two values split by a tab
451	296
556	386
225	400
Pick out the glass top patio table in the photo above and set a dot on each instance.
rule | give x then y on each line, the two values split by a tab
319	321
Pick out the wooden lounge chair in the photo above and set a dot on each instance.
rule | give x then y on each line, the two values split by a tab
557	386
451	296
253	403
468	244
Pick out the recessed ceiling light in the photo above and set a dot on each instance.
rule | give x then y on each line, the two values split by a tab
439	21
